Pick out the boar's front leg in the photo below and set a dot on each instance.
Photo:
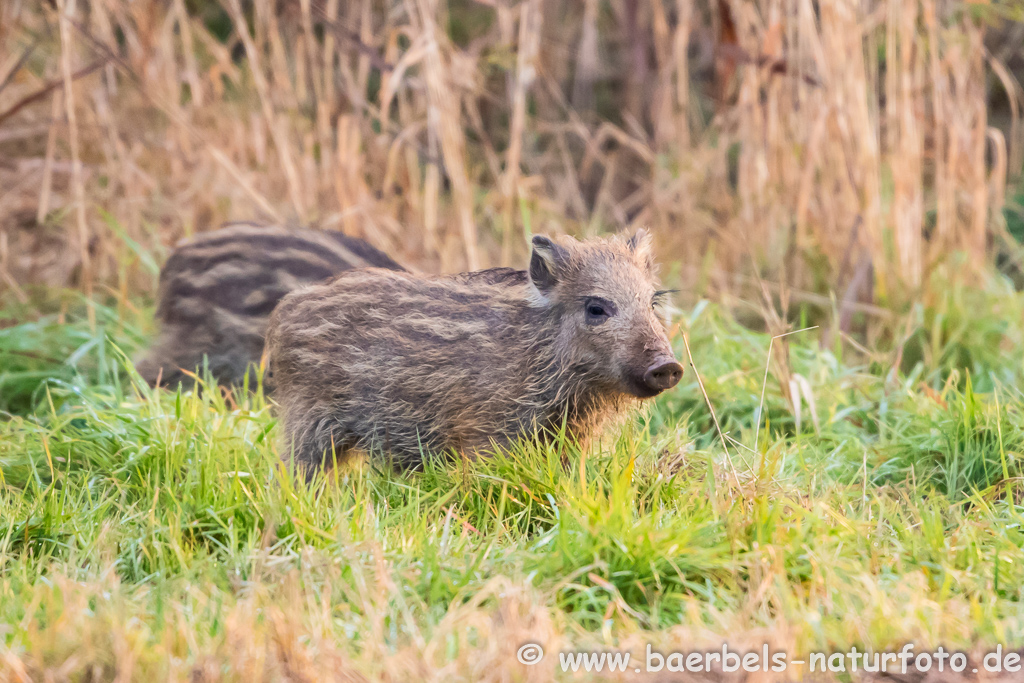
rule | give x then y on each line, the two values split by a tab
320	445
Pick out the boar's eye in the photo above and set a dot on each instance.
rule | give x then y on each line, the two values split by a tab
598	310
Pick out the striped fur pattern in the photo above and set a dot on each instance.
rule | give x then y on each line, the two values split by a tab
217	291
403	366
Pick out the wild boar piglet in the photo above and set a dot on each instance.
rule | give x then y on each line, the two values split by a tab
218	288
407	366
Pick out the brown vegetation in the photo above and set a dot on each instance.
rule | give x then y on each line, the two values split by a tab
822	142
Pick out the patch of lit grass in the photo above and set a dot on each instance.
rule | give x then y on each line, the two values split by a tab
167	521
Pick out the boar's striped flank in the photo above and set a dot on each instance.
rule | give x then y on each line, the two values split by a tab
217	291
404	366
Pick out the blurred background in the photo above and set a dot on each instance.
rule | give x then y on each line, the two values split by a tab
835	155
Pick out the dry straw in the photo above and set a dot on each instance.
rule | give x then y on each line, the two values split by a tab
784	131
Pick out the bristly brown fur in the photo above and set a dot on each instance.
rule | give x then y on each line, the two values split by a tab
403	366
218	289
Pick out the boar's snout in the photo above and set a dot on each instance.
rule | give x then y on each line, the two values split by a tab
664	374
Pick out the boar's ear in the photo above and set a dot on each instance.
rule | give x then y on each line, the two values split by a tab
545	263
642	247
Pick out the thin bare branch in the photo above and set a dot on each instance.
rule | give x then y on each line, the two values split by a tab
714	416
49	88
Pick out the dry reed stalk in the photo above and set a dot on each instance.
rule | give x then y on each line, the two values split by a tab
853	124
5	273
635	96
237	175
574	194
394	79
587	59
663	98
189	53
331	14
997	179
432	186
944	196
310	55
46	187
1015	98
285	86
366	37
323	89
302	76
348	77
419	195
680	48
530	25
277	130
445	107
973	86
476	124
907	142
67	10
349	183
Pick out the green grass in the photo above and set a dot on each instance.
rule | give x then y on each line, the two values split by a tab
154	534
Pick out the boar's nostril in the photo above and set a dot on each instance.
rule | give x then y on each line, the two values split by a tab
664	374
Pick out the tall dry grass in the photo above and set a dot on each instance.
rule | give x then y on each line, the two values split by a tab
842	145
